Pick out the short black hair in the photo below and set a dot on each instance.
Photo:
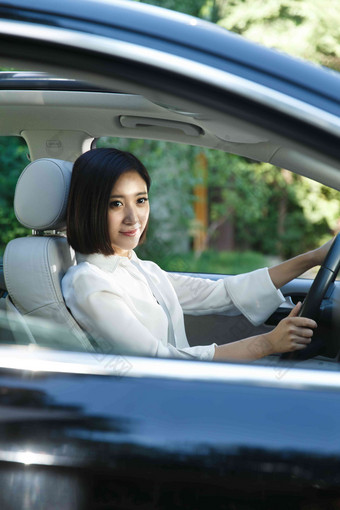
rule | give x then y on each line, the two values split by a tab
94	174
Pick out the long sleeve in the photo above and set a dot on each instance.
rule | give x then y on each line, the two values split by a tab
107	318
252	294
116	324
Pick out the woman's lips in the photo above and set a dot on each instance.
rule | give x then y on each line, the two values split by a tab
130	233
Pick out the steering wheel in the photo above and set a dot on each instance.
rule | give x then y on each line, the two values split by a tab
311	305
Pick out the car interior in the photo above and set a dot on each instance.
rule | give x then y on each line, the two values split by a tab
60	119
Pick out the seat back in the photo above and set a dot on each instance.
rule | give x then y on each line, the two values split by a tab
35	265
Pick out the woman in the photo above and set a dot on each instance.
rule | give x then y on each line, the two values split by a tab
131	306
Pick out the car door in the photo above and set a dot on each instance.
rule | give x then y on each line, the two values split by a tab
77	433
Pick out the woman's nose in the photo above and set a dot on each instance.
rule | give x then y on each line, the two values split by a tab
131	216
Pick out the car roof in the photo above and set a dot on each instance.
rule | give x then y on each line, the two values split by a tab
222	91
183	35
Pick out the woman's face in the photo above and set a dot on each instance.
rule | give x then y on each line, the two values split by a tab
128	212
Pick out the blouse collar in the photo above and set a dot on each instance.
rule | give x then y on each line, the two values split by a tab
106	262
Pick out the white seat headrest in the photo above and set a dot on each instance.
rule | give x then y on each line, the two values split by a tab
41	194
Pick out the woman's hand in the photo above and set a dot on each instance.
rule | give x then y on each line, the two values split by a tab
292	333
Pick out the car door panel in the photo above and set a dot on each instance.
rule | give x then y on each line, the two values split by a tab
206	329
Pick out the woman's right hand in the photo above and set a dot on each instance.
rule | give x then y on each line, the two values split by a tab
292	333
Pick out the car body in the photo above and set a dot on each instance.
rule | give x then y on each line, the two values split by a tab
93	430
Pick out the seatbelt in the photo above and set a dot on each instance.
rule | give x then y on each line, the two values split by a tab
159	297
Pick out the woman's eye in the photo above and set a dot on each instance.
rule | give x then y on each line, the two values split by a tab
142	200
115	203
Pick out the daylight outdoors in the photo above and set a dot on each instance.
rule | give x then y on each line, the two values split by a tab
263	213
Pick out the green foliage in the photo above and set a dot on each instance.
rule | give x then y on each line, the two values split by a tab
309	29
210	261
248	194
272	210
13	160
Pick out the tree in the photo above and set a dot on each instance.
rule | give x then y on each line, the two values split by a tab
13	159
309	29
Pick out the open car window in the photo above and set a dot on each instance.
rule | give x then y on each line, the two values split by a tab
214	212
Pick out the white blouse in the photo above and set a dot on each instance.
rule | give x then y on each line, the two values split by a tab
111	299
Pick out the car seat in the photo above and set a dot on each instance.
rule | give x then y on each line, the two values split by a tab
35	265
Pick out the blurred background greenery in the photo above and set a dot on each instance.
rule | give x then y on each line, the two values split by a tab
255	213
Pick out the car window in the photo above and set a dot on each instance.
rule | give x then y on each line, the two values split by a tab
214	212
13	159
35	331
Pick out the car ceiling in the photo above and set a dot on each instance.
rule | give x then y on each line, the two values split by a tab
99	114
64	123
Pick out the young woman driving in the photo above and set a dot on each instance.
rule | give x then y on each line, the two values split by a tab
132	306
